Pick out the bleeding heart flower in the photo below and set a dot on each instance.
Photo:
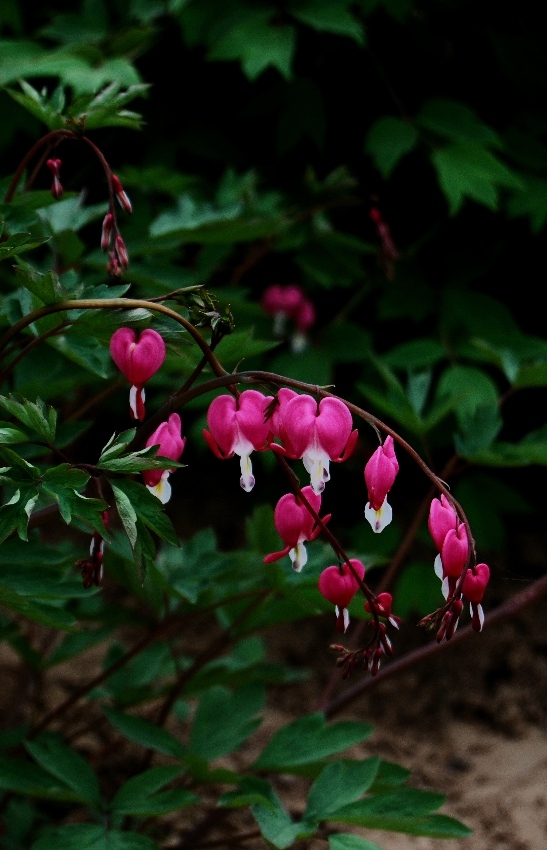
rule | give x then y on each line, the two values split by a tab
380	473
317	433
338	585
474	585
239	426
295	525
171	444
442	518
138	361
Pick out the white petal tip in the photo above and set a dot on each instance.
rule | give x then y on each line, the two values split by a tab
161	490
379	519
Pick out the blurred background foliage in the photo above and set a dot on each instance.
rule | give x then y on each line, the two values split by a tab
387	156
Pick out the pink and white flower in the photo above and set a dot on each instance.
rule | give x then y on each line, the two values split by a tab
474	585
138	361
380	472
339	585
239	426
295	525
171	444
316	432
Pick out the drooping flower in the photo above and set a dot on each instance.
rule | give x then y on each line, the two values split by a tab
442	518
339	585
138	361
474	585
380	472
54	166
289	302
382	606
239	426
317	433
171	444
295	525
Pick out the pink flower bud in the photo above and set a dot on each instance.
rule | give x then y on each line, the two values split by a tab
239	426
282	299
455	551
442	518
138	361
171	444
380	472
338	585
295	525
108	222
317	433
54	166
121	195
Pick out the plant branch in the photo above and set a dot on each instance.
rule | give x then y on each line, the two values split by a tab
511	608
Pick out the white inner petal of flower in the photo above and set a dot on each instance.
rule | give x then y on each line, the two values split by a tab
380	518
438	567
298	556
317	464
162	490
247	479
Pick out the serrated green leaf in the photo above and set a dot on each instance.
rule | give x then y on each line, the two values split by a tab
257	43
149	510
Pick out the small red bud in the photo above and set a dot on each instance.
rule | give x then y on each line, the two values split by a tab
121	252
108	221
121	194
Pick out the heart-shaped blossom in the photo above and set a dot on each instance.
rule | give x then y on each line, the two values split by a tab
339	585
171	444
138	360
239	426
474	585
380	472
317	433
295	525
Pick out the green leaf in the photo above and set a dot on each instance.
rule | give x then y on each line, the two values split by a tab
345	841
531	201
40	417
87	836
66	765
117	444
332	16
225	719
339	783
145	733
275	824
21	777
139	797
46	614
14	515
467	170
404	803
148	509
251	790
308	740
47	287
257	44
18	243
418	590
457	122
10	434
126	513
388	140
